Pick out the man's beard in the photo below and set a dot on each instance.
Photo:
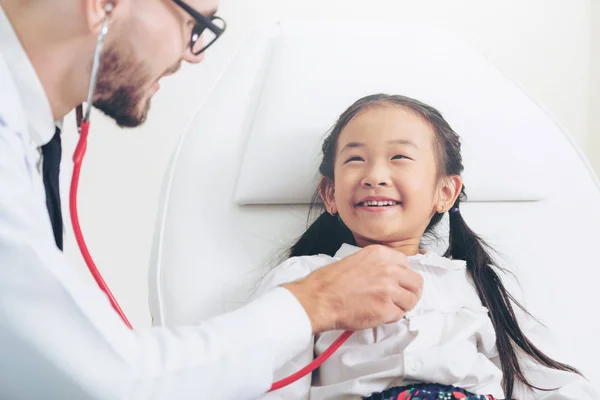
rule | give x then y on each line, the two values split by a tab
121	88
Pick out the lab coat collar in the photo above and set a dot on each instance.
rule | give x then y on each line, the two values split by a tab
31	92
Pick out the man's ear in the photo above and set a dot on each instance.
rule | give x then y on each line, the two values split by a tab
326	191
96	11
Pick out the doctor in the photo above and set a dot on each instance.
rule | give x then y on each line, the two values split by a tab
59	337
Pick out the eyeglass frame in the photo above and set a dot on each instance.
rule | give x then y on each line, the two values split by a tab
203	22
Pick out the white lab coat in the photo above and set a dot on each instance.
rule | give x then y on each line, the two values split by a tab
59	336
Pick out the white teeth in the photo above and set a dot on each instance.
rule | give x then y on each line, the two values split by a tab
379	203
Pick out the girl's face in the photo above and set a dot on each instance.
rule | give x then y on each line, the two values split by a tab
386	183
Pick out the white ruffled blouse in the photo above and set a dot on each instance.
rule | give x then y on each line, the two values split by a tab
448	338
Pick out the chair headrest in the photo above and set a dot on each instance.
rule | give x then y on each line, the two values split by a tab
306	90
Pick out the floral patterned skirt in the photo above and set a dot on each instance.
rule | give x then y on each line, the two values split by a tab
428	392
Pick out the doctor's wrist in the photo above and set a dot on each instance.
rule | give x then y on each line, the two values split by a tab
321	315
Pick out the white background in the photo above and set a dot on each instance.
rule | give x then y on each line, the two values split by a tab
551	48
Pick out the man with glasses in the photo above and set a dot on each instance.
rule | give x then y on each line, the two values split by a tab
59	337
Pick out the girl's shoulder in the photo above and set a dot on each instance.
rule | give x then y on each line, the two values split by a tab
448	286
433	260
292	269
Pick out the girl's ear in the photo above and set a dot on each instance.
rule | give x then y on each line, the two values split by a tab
448	191
326	192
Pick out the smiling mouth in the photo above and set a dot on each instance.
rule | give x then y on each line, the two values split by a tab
386	203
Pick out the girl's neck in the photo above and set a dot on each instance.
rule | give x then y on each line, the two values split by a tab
410	247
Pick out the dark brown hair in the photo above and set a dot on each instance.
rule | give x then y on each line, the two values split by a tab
327	233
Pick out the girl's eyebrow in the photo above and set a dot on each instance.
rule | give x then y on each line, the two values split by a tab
354	145
403	141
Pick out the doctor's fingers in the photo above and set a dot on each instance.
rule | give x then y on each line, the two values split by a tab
396	272
408	280
389	304
383	255
400	302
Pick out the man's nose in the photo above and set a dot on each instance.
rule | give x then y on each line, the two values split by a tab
190	57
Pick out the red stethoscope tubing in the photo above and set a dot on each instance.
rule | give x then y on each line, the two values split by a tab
83	123
77	160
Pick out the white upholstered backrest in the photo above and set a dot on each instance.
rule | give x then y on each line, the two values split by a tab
236	191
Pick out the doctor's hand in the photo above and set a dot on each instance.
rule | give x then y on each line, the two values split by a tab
371	287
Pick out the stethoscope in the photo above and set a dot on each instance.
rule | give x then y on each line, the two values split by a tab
83	124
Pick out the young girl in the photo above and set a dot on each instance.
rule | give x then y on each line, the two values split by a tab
391	169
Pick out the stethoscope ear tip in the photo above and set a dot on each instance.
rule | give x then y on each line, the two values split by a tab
109	6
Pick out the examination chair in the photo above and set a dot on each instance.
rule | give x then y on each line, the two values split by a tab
237	189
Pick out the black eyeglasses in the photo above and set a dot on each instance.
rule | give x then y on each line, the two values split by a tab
206	28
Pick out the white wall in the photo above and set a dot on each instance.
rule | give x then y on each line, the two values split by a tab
544	45
593	144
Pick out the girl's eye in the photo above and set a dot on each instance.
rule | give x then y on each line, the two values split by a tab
355	158
399	157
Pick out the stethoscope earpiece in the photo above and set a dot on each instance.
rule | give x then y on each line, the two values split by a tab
108	7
